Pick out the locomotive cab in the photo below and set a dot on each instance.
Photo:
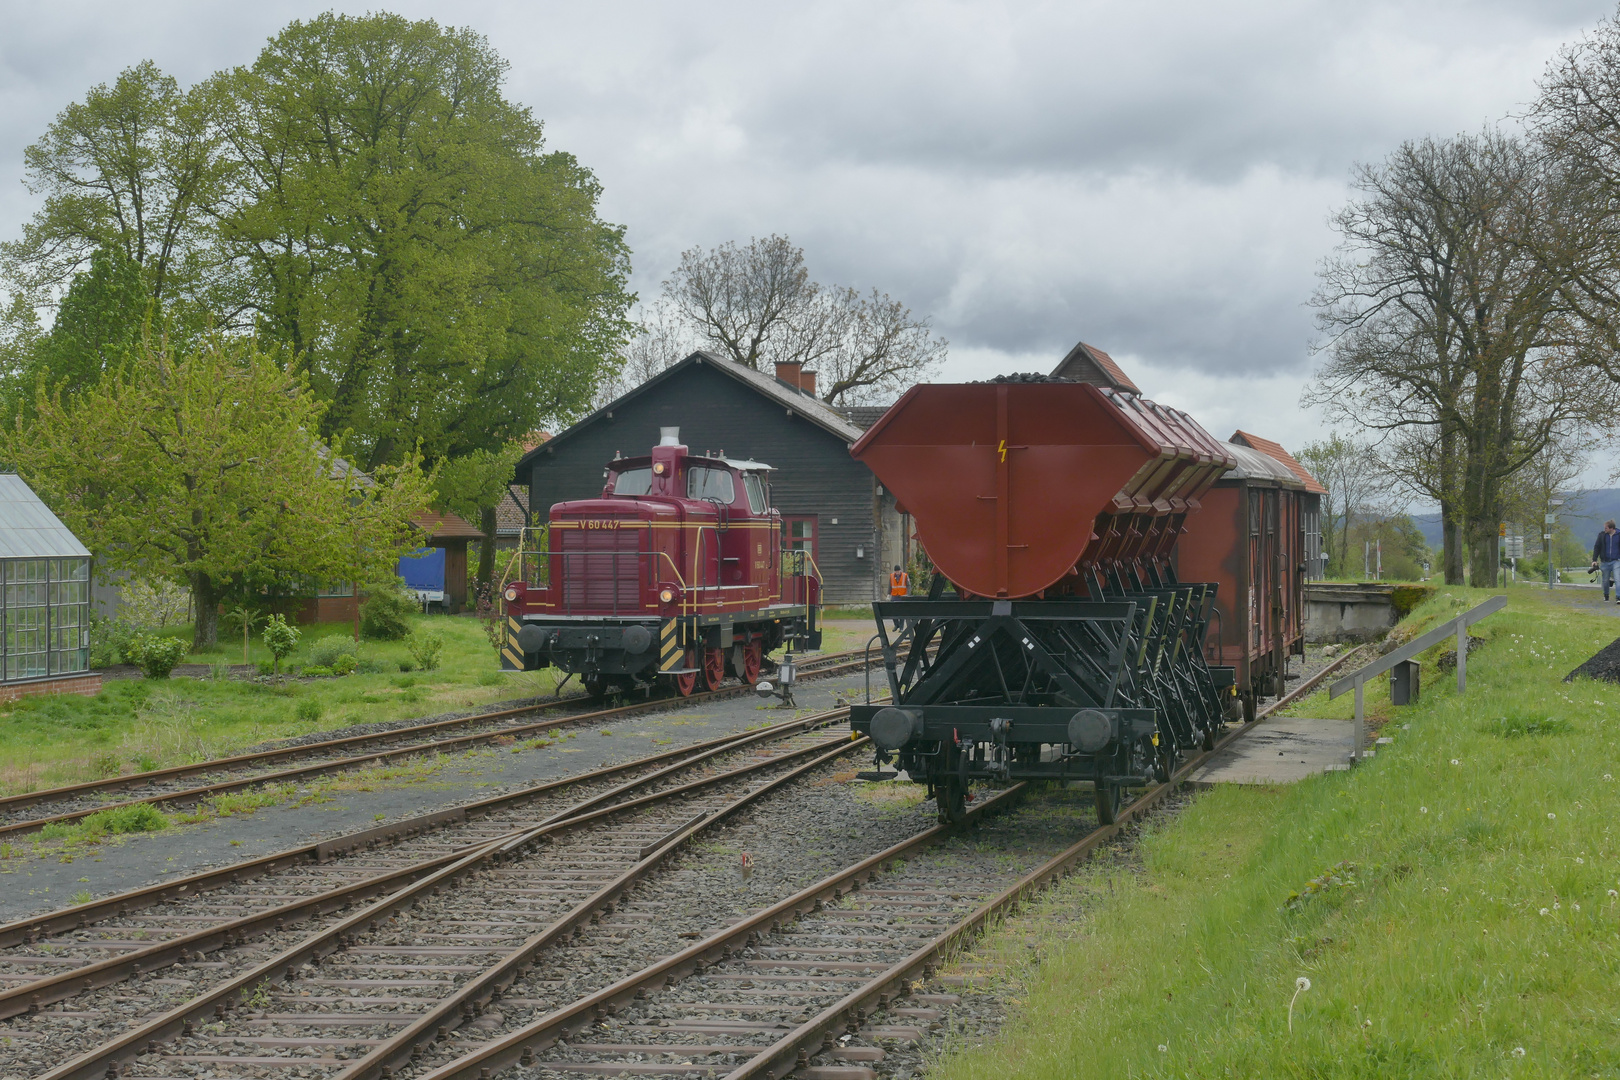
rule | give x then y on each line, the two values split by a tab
675	574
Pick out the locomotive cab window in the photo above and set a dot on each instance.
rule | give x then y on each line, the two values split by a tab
711	484
754	488
633	482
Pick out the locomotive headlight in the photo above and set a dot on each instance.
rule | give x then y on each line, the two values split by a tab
667	596
658	467
511	594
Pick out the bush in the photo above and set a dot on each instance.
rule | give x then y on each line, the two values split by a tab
314	671
280	639
386	614
110	640
425	647
157	655
407	665
345	665
326	651
310	711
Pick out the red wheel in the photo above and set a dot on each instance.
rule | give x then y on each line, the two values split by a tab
685	684
753	652
714	668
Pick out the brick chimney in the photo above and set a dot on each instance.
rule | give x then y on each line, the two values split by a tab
792	372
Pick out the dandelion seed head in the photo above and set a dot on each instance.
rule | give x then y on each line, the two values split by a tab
1575	907
1302	983
1518	1051
1579	861
1423	809
1551	816
1557	906
1544	911
1163	1049
1454	761
1614	895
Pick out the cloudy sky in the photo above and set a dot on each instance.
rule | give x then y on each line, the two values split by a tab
1153	178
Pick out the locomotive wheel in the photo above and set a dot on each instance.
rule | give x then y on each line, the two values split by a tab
952	796
1107	802
753	653
687	683
714	668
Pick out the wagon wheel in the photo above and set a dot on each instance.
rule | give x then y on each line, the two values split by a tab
952	796
1107	802
687	682
714	668
753	653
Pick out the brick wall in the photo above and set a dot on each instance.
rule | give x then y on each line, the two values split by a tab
86	683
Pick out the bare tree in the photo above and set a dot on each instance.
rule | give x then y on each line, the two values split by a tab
660	340
1448	328
758	305
1354	478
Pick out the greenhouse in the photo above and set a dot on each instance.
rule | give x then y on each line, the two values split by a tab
44	599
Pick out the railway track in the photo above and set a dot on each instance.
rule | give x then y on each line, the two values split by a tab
493	905
431	987
176	786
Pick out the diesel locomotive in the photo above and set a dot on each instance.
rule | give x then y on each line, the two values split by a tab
675	574
1068	647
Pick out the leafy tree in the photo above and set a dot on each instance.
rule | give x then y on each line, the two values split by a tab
127	170
757	305
98	325
201	465
1351	473
280	638
472	486
395	221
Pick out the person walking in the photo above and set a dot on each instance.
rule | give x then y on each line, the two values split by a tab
1605	554
899	585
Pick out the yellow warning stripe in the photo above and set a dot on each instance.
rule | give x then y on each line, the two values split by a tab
671	655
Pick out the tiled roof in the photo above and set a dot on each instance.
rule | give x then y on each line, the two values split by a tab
28	529
864	416
1275	449
1087	363
512	512
801	403
439	526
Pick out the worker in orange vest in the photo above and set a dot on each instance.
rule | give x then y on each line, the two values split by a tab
899	585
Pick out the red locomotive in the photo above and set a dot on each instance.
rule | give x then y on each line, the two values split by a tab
674	574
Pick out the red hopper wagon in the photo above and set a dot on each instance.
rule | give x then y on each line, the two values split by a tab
1069	649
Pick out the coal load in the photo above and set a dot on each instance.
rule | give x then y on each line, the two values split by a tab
1603	664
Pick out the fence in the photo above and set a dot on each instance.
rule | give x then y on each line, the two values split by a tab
1459	626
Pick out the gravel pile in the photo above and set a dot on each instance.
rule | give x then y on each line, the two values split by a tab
1603	664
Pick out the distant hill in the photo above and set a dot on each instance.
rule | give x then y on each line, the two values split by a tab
1585	514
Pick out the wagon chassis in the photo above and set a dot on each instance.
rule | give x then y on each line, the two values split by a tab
1113	690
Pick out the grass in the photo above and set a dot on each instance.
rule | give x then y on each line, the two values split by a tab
1454	903
135	725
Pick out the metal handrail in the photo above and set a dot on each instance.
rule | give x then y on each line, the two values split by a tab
1458	626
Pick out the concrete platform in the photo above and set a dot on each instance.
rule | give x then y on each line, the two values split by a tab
1281	751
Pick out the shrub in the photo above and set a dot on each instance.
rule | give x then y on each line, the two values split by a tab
326	651
425	647
110	641
386	614
310	711
315	671
407	665
157	655
345	665
280	639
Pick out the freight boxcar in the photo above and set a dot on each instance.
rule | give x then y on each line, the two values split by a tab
1253	539
1070	649
675	574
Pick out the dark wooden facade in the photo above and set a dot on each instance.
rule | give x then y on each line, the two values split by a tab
721	406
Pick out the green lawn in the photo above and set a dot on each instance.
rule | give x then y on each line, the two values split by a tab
1454	903
137	724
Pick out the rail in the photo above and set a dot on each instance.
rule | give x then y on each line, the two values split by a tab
1356	680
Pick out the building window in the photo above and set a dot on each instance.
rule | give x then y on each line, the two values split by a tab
799	534
44	609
